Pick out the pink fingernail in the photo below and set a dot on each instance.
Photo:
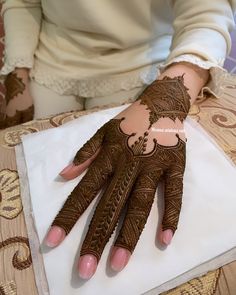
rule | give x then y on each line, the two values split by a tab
167	236
55	236
87	266
66	169
119	259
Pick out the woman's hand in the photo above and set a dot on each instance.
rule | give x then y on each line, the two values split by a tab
131	153
19	102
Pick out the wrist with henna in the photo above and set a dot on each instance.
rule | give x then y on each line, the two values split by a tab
14	86
167	98
131	164
19	110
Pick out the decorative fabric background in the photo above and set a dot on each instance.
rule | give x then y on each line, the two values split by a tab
218	117
2	90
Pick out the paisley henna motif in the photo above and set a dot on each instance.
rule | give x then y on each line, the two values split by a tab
133	175
166	98
14	85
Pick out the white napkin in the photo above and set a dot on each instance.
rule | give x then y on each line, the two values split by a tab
205	226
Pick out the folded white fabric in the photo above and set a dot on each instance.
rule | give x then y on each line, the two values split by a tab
205	226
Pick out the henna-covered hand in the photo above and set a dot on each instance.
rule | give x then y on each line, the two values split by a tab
19	103
130	155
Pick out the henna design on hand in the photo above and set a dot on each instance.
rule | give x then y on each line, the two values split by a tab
23	112
166	98
132	173
19	117
90	147
133	177
14	85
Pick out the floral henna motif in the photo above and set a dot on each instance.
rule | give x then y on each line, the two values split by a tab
166	98
133	178
14	86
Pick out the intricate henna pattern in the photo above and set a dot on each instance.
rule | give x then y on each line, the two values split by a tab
139	207
129	167
80	198
90	147
166	98
19	117
132	173
14	86
139	147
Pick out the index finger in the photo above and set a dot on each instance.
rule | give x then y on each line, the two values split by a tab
83	193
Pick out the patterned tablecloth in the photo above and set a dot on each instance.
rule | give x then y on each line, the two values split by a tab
217	116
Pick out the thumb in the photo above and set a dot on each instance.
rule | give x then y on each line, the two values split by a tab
72	171
85	156
90	147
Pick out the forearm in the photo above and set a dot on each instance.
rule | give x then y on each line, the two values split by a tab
194	77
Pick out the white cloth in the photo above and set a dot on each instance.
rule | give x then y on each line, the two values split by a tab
95	48
205	226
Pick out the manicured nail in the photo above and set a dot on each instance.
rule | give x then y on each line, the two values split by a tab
119	259
67	168
167	236
55	236
87	266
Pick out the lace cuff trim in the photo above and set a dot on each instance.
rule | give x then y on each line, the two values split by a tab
218	75
95	87
139	78
10	65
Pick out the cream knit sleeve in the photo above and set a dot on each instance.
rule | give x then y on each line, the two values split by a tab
202	37
22	22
